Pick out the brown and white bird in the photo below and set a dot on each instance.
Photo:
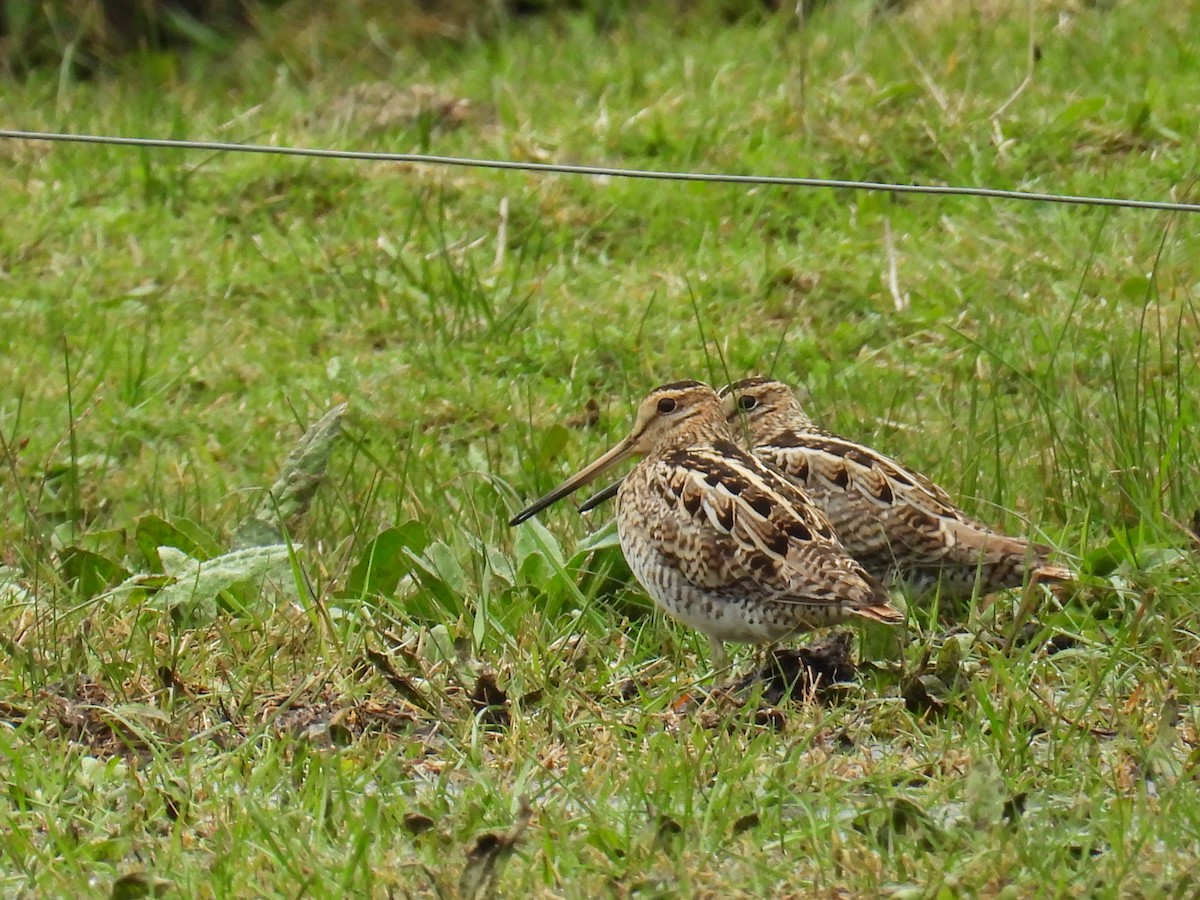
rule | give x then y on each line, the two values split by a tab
719	540
896	522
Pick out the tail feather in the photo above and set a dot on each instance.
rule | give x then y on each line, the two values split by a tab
878	607
1047	572
881	612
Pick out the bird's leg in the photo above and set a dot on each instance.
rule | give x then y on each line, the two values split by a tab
1028	598
718	658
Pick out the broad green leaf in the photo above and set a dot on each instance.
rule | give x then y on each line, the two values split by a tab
605	538
538	553
384	560
204	542
447	566
90	572
154	531
1136	548
500	565
193	596
541	565
443	580
110	542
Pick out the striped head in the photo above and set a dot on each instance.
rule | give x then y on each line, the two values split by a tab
674	415
764	407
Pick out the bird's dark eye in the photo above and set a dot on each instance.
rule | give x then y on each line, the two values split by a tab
747	402
667	405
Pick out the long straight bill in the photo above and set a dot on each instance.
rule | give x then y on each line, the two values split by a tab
572	484
601	496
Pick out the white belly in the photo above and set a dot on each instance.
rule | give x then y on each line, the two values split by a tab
720	614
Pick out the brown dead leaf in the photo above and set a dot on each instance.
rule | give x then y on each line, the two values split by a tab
171	681
804	673
489	853
745	823
82	713
11	713
139	884
327	719
401	684
417	823
490	702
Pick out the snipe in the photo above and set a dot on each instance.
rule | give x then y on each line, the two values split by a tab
896	522
719	540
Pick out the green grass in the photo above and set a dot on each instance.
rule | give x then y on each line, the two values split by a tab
173	322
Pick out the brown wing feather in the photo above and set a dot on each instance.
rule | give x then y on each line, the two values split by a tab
847	465
892	518
759	532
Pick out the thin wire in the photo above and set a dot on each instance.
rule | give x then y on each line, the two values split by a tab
558	169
